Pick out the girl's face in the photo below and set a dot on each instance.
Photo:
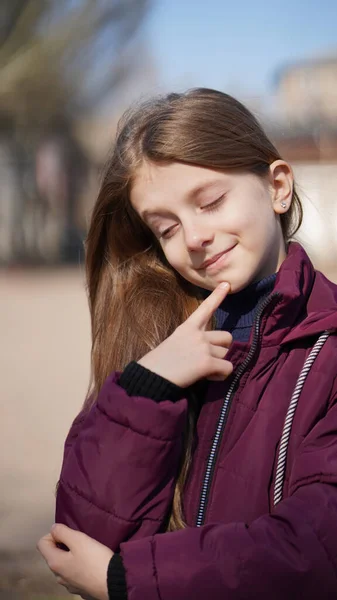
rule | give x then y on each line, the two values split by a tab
215	226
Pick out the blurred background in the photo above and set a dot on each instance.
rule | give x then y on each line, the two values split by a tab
68	68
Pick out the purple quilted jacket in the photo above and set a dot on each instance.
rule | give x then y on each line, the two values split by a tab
261	497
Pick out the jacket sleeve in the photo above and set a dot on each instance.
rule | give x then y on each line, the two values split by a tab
287	554
120	466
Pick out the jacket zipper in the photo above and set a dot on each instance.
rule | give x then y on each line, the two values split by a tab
208	478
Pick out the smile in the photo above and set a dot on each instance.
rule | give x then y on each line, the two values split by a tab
216	261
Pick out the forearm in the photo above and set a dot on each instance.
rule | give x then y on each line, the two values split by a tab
118	478
288	554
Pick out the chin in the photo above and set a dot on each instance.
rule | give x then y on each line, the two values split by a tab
237	287
235	284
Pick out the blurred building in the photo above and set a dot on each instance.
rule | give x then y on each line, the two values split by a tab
306	97
304	130
308	90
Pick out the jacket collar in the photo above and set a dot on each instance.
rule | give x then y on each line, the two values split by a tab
305	301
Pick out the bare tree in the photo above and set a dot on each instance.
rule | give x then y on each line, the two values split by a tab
85	47
58	62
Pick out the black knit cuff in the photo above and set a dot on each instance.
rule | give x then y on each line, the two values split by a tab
139	381
116	579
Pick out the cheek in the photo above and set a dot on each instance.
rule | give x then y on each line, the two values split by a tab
236	217
241	222
173	255
254	223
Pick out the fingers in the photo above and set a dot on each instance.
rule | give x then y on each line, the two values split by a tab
207	308
218	351
47	547
64	535
222	370
50	552
219	338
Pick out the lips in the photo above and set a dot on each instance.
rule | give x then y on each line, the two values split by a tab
213	259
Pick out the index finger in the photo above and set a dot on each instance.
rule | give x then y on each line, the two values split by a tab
207	308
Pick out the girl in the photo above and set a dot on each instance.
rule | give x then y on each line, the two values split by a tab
207	461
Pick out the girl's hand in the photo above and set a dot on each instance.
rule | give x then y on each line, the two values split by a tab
82	570
192	352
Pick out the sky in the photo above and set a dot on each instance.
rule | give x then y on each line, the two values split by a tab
236	46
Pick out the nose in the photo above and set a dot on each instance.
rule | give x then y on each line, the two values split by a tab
198	238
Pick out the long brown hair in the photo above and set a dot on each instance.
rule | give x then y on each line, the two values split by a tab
136	299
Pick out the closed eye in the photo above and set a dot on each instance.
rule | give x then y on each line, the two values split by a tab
213	206
167	233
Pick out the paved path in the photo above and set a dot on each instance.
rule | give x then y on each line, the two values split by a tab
44	366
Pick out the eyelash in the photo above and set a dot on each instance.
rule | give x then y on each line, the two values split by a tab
212	207
164	235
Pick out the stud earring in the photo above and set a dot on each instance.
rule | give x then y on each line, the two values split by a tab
283	204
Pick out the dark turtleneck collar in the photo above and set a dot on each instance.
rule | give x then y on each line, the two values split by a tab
237	312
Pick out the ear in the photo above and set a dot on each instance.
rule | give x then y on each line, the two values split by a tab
282	183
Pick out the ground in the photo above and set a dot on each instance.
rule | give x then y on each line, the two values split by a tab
44	365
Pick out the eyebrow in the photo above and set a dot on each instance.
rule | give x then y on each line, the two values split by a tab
191	194
201	188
